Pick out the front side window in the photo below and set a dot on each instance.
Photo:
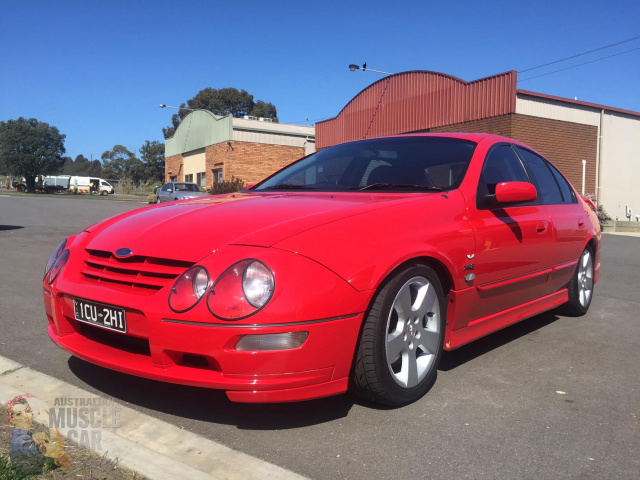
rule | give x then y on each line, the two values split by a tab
548	187
411	163
501	165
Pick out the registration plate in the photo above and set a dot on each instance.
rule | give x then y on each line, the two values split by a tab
100	315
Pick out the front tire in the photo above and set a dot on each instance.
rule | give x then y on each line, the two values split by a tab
402	339
580	287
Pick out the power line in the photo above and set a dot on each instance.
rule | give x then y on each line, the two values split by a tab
579	64
581	54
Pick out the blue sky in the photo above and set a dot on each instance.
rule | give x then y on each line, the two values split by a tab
99	70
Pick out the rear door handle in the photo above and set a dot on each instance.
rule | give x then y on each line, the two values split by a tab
541	227
581	223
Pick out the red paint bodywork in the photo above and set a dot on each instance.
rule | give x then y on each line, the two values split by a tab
329	253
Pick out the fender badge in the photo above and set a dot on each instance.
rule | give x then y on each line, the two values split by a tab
123	252
471	256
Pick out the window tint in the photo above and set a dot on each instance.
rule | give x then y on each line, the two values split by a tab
548	188
501	165
567	192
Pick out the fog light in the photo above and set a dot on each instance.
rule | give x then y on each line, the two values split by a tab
271	341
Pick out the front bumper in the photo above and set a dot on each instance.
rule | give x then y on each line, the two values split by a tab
203	354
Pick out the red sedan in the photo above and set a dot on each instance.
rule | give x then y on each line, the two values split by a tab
352	268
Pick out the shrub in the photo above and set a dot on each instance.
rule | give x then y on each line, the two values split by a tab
602	215
151	198
231	186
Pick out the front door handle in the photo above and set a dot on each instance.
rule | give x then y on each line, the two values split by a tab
581	223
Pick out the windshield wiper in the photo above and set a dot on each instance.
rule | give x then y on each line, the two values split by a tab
399	186
286	186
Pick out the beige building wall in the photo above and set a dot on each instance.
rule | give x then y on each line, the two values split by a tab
620	169
194	163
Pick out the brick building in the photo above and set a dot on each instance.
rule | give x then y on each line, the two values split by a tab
207	148
596	143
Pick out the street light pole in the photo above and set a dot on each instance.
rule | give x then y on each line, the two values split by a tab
353	67
162	105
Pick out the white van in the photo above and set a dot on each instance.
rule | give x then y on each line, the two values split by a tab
90	185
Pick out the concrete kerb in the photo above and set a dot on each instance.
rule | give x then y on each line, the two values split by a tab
151	447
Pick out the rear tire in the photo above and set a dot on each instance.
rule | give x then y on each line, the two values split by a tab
580	287
402	339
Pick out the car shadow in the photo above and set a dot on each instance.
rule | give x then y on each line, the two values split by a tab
209	405
213	406
10	227
454	358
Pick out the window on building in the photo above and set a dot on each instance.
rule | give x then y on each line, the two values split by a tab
217	175
201	179
173	179
188	178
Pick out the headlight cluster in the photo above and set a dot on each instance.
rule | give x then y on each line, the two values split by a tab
242	290
56	262
188	289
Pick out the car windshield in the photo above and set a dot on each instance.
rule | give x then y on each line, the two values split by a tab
394	164
187	187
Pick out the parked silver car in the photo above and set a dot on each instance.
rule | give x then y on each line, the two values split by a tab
179	191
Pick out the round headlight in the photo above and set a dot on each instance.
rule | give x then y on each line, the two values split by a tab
257	284
54	256
242	290
188	289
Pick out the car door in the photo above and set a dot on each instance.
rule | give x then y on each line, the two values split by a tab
514	243
163	192
567	216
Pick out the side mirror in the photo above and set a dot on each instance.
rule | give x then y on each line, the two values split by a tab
515	192
170	190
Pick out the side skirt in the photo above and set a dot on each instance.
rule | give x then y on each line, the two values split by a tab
484	326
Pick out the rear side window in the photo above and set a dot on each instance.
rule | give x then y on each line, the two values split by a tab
548	187
568	194
501	165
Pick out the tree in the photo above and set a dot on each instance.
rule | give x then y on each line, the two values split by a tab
266	110
153	158
122	164
226	101
29	148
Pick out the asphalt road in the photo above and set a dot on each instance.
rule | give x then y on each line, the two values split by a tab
551	397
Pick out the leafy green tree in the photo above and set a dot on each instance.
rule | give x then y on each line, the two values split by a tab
29	148
122	164
153	157
225	101
266	110
95	169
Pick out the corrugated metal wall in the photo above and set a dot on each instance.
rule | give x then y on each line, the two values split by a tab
197	130
410	101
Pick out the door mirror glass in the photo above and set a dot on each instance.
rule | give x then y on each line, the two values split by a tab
515	192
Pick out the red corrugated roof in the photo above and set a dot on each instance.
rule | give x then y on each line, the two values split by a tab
418	100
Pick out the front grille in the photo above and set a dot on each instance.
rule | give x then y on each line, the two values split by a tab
138	274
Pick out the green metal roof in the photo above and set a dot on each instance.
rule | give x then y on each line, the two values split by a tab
199	129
